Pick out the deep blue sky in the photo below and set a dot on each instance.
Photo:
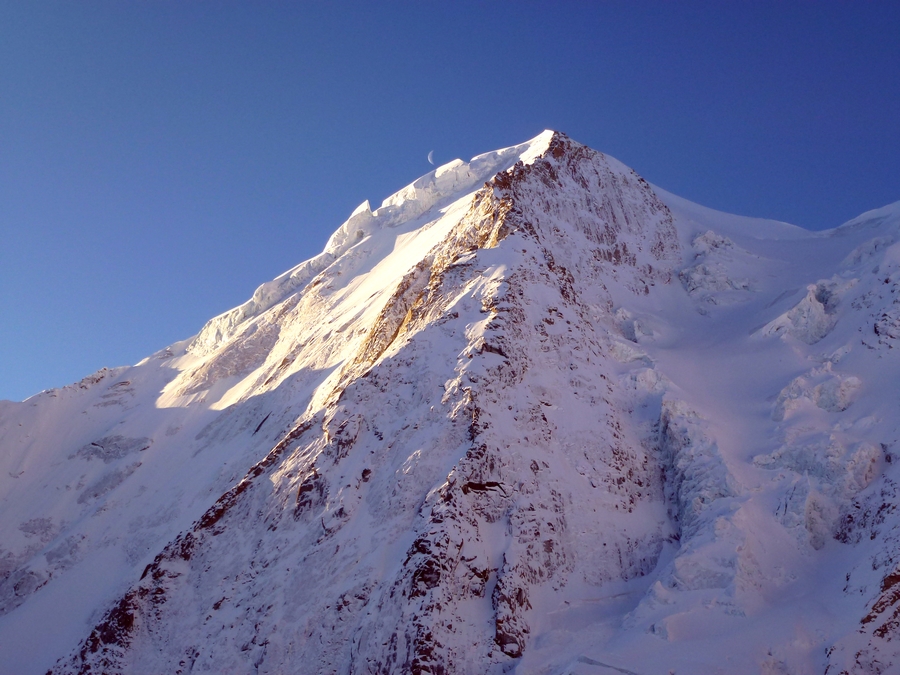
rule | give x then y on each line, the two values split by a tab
160	160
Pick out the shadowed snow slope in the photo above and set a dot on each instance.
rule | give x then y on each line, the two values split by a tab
531	415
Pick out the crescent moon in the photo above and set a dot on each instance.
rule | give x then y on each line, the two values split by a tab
431	158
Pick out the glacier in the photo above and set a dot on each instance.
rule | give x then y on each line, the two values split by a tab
531	415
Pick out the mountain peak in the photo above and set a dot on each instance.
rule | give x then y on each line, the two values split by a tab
531	414
445	183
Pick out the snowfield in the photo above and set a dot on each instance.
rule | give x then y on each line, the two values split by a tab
532	415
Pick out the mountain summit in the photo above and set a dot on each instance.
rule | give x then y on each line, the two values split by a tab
531	415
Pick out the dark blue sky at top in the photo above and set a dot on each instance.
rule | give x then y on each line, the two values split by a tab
160	160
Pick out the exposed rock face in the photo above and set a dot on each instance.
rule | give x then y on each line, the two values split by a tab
531	415
870	522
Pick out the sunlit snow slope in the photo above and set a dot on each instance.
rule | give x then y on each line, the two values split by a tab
531	415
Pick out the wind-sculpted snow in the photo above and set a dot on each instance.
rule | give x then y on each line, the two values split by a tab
531	415
225	326
444	184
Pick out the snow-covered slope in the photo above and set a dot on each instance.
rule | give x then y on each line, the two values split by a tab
531	415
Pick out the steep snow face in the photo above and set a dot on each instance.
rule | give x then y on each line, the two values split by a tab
78	529
531	415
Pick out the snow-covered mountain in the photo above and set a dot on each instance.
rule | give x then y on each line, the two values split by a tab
532	415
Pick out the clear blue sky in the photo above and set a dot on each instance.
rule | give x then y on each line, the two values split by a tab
159	160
